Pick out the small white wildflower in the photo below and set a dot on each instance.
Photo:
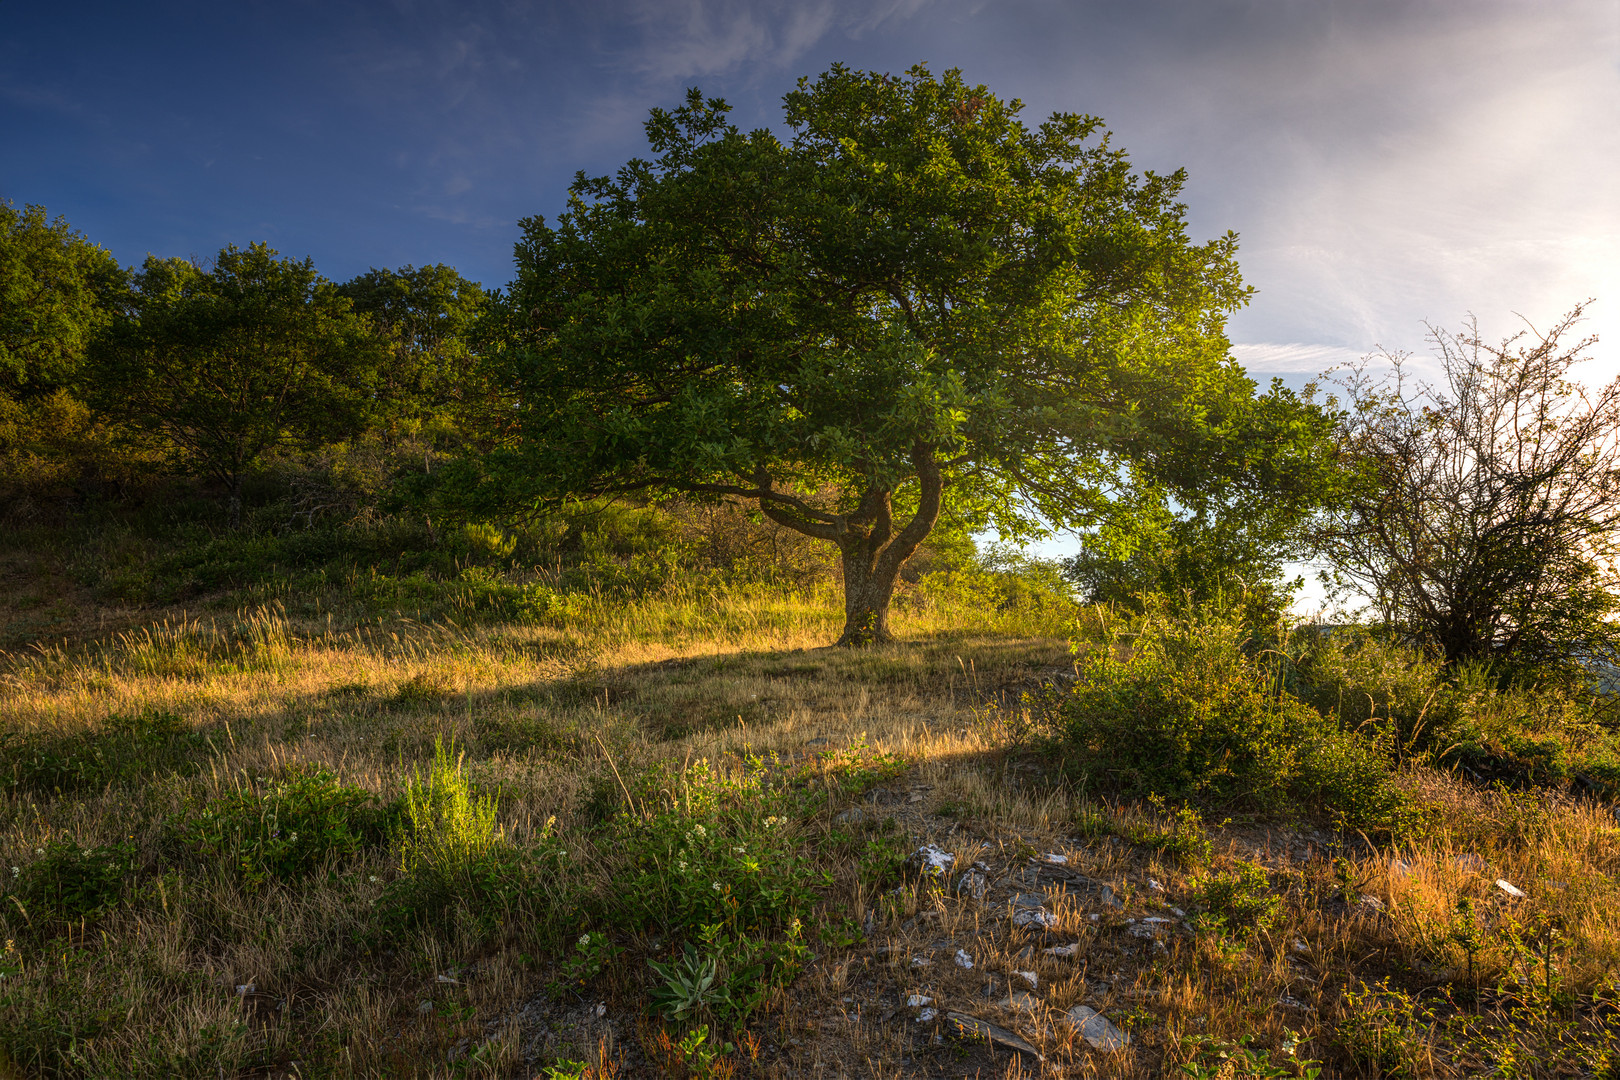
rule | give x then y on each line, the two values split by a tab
681	865
39	851
717	886
372	879
584	939
294	836
16	871
738	850
700	831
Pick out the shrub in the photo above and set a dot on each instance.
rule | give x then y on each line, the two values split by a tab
719	852
1190	708
284	830
68	883
1238	898
1181	835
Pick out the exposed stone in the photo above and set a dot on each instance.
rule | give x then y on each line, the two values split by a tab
1022	1000
1034	919
1509	888
853	816
1096	1029
970	1026
930	863
971	884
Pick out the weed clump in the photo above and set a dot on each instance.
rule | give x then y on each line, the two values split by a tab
68	883
457	864
126	749
284	829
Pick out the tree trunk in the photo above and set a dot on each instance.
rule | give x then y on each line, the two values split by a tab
868	588
873	551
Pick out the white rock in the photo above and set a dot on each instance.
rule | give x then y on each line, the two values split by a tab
1056	859
1368	900
927	1014
1034	919
971	884
963	960
930	862
920	961
1019	999
1064	951
455	982
1509	888
1300	946
1096	1029
1155	886
1029	977
917	1001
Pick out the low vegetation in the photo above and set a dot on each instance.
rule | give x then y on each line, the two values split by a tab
295	827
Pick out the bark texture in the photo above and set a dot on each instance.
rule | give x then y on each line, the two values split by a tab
873	550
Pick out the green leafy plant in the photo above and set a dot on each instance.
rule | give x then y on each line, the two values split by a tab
721	851
282	829
687	986
1180	833
1239	898
593	952
68	883
1217	1059
1384	1029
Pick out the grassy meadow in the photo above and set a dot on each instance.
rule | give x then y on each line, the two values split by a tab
416	803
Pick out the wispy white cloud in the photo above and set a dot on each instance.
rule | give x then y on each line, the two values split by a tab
1292	358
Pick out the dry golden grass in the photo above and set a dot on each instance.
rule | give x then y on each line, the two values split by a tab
271	979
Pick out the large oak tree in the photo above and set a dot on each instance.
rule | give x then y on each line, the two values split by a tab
915	300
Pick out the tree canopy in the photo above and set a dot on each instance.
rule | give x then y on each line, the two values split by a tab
917	304
231	362
57	289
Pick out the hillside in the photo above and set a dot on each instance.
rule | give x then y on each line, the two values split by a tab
492	819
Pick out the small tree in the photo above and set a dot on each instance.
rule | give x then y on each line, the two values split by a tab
57	289
918	304
428	318
1484	522
227	364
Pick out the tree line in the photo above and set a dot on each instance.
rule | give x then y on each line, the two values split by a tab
909	310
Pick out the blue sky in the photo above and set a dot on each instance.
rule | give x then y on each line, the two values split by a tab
1383	162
